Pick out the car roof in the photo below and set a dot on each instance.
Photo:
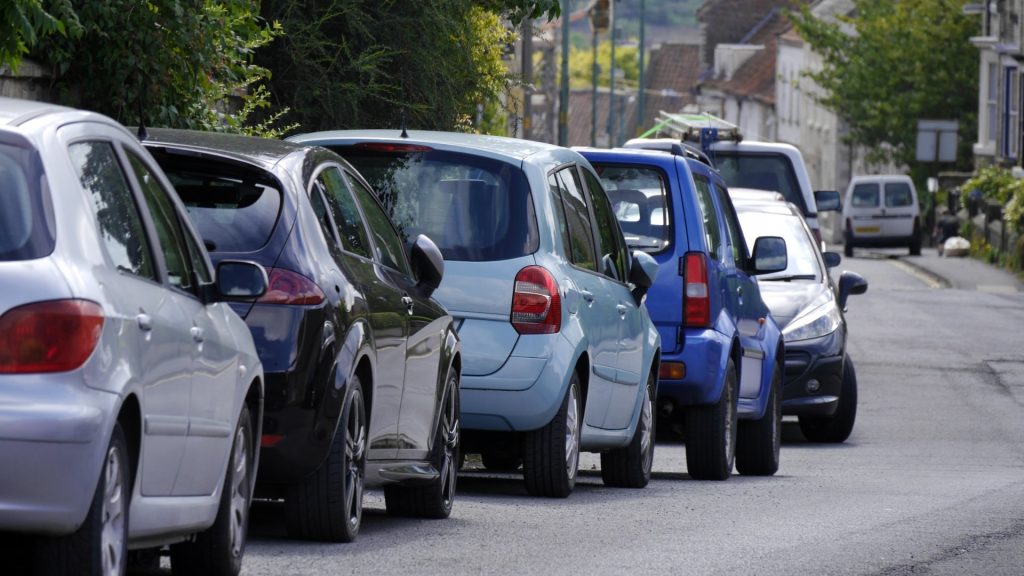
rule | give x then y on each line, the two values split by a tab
263	152
509	149
771	207
755	194
15	111
881	178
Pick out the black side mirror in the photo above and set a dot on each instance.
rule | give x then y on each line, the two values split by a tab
240	280
850	283
832	259
770	255
427	264
827	200
642	272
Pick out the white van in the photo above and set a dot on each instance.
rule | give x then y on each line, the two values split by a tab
881	211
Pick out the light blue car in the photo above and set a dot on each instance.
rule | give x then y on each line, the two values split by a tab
559	354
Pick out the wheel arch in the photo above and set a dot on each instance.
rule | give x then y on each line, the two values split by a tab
130	418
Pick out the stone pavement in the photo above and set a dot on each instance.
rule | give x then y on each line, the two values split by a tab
964	273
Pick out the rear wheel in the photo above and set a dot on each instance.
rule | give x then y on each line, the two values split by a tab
759	441
434	500
711	433
551	454
328	505
915	245
630	467
100	545
836	428
218	551
848	245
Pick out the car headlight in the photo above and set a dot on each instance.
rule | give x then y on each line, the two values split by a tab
816	323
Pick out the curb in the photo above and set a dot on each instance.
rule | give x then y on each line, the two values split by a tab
931	275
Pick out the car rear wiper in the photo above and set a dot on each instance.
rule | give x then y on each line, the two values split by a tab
790	278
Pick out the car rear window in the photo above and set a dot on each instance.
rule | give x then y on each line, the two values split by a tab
639	198
233	209
26	226
865	196
897	194
761	172
474	208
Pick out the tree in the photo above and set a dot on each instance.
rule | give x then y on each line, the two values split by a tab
24	22
581	66
515	11
903	61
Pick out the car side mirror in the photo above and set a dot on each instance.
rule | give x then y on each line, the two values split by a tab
642	273
427	264
770	255
850	283
827	200
832	259
239	280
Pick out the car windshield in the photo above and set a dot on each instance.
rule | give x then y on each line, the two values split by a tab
802	257
640	200
25	230
475	209
764	171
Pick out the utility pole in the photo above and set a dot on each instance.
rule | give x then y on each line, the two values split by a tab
527	77
563	104
642	89
611	85
599	16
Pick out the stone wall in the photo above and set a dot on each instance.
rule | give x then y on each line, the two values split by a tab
30	82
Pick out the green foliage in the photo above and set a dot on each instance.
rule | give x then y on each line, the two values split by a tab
515	11
1000	185
365	64
24	22
905	61
581	66
188	63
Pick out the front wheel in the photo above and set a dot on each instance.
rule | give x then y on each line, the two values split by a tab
759	441
551	454
630	467
434	500
711	433
836	428
218	550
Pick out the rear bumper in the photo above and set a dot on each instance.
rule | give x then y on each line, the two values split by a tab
53	434
703	353
820	360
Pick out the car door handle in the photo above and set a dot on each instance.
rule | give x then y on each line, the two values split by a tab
622	308
197	333
145	322
587	295
407	300
739	290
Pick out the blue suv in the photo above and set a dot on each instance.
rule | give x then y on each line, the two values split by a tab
722	352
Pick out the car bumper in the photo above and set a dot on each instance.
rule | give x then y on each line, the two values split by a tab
703	355
53	434
814	375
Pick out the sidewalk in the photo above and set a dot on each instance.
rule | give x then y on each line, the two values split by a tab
964	273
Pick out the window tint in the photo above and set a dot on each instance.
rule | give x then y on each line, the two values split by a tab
168	229
577	217
712	233
732	228
765	171
25	230
389	247
639	197
613	255
473	208
555	190
346	215
802	253
319	205
865	196
117	213
897	194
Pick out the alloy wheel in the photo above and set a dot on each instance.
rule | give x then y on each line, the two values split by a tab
355	449
113	520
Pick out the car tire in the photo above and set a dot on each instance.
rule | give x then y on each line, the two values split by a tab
848	245
758	442
915	245
497	461
100	545
328	505
218	550
434	500
630	466
836	428
551	454
711	433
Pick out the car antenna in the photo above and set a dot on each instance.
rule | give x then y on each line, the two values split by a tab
404	133
143	134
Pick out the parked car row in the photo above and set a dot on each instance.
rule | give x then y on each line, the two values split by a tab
190	320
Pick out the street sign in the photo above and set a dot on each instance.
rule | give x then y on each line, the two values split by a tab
936	140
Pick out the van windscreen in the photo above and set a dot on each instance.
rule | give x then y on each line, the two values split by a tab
761	171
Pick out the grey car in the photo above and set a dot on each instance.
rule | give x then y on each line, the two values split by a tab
129	389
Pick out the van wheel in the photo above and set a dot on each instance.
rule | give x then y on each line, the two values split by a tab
915	245
848	245
100	545
218	551
630	467
836	428
759	441
551	455
711	433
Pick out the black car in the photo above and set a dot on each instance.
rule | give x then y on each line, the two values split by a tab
820	384
362	365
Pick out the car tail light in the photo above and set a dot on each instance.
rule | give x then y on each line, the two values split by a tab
52	336
696	299
817	236
672	371
536	305
849	226
917	225
287	287
270	440
390	147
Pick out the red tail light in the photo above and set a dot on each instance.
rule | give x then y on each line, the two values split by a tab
536	305
817	235
696	299
393	148
287	287
53	336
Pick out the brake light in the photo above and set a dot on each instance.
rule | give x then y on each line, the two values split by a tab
696	300
536	304
390	147
52	336
817	236
287	287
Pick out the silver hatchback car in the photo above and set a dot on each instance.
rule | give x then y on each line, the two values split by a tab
128	386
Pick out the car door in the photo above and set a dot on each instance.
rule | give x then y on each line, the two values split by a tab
209	346
423	325
587	294
615	261
151	322
899	209
745	294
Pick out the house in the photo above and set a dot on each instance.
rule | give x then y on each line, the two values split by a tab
999	86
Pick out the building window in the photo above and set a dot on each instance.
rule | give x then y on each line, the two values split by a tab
991	98
1008	140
